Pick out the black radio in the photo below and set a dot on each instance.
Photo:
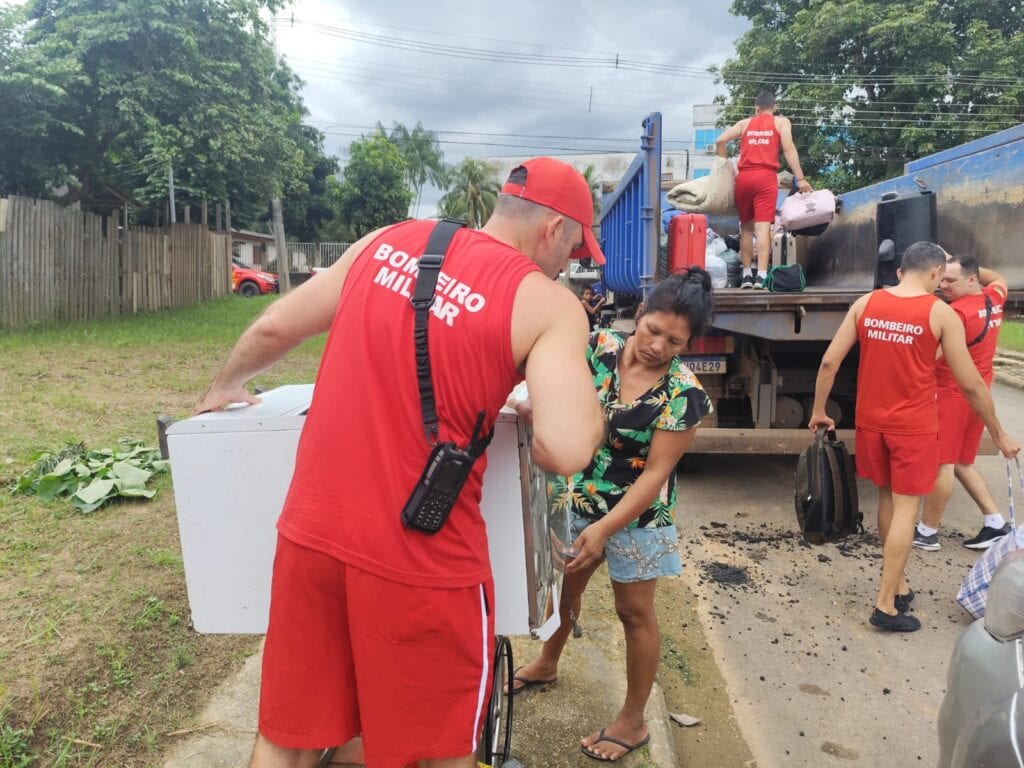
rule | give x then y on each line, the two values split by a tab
432	499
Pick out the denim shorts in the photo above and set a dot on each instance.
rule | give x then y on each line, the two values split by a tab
639	554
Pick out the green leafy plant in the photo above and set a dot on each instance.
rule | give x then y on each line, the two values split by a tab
92	478
15	747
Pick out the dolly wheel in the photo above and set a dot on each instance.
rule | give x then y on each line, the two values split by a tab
496	740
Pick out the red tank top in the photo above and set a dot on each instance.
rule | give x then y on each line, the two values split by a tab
362	448
971	310
759	145
896	376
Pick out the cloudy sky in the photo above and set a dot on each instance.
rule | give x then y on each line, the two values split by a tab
500	78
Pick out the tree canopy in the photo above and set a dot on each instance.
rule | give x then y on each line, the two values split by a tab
310	194
102	95
473	192
424	160
872	84
373	191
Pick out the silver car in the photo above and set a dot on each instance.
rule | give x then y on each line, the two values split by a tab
981	722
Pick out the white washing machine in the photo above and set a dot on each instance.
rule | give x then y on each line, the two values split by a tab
231	472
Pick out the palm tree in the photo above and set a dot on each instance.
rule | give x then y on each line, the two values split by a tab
424	159
590	175
473	192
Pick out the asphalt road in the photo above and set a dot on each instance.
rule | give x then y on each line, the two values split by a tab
811	682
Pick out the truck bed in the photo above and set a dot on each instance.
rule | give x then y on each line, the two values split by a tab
748	300
811	315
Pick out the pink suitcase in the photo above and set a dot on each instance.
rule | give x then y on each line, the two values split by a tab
809	210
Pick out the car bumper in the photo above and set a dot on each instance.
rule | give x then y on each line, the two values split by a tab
981	721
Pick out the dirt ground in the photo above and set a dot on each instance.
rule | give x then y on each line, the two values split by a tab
548	722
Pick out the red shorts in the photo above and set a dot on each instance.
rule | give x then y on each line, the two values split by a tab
907	463
757	192
350	653
960	431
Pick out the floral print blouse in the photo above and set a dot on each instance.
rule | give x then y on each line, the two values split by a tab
676	402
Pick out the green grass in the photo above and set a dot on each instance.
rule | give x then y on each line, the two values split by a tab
97	662
1011	335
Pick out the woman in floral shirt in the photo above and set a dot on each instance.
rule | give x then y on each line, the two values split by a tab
623	502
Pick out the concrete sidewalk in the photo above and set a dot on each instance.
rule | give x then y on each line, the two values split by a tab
547	723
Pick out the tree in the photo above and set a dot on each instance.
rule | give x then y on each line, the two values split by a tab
424	159
590	176
474	190
130	88
307	198
373	191
32	92
871	84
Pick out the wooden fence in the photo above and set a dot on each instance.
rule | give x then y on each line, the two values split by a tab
60	265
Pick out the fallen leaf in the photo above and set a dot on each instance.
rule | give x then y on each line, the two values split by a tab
684	719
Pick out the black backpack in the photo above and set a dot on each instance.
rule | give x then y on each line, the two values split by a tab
826	490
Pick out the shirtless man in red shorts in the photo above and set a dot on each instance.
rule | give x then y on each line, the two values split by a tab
757	185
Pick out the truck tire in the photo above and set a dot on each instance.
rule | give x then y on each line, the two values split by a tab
248	289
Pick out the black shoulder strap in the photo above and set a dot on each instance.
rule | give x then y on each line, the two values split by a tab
422	299
988	320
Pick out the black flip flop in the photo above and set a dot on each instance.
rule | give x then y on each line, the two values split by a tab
526	683
618	742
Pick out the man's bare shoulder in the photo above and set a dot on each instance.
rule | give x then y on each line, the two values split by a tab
546	296
543	308
857	308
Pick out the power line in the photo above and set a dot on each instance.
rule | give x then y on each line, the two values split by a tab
819	107
631	64
801	116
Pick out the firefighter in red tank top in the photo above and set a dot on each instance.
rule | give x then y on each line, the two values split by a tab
757	185
899	330
976	295
380	636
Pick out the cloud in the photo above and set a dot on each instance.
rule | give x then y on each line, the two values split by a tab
497	78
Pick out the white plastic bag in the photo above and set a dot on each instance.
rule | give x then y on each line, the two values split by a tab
716	246
716	267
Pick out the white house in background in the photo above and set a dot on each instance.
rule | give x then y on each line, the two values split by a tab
253	249
609	167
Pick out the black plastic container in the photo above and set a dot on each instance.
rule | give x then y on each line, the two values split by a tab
904	221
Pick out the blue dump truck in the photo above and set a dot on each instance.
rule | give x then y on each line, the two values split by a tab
760	361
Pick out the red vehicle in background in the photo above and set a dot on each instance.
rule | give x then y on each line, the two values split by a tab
249	282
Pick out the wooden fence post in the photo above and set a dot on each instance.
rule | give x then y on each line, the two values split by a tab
283	262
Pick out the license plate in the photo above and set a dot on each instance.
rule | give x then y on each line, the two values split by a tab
705	363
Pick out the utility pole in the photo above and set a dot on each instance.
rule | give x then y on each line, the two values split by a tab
170	186
283	266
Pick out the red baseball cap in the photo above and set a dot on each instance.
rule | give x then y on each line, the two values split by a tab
560	187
